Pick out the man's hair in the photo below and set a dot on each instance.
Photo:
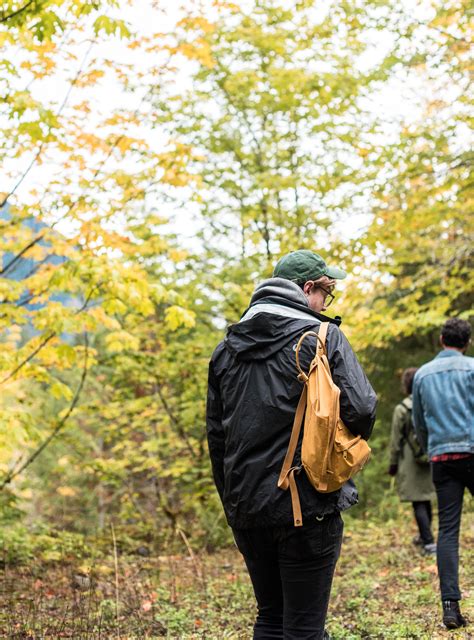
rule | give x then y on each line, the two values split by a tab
456	333
407	379
301	283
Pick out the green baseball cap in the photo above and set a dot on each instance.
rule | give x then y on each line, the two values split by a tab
303	265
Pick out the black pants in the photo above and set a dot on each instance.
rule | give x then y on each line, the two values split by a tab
291	569
450	478
423	517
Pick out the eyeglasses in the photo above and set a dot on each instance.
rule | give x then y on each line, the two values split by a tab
329	297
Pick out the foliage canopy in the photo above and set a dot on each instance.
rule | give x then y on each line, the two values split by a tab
255	128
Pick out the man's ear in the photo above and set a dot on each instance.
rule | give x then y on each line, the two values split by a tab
308	286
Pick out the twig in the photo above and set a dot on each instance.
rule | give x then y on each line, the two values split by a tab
44	343
15	472
21	253
116	580
28	358
15	13
195	563
175	421
42	234
58	113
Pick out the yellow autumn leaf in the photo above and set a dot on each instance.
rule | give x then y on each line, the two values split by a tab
66	492
117	341
176	316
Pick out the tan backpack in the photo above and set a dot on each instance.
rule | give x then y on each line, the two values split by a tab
330	453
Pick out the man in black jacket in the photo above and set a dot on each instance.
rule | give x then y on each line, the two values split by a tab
252	396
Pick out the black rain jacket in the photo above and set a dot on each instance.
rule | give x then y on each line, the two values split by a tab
252	396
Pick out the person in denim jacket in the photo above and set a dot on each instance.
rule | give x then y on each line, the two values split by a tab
443	415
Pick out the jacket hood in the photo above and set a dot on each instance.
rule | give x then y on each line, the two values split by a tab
284	292
263	335
260	335
281	288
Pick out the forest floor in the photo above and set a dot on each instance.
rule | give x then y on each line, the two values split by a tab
384	589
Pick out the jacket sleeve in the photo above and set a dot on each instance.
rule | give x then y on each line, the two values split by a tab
357	400
398	421
418	416
215	432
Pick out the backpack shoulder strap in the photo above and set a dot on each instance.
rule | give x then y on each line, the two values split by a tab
406	404
303	376
406	422
288	470
322	333
287	474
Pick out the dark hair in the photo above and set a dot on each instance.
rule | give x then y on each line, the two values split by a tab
456	333
407	379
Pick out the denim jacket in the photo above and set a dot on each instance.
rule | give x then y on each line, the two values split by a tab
443	404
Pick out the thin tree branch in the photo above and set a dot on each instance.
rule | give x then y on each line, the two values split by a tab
442	32
58	113
15	13
263	228
59	426
15	259
28	358
74	204
43	344
28	299
174	420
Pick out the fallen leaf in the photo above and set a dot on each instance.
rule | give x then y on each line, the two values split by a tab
147	605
